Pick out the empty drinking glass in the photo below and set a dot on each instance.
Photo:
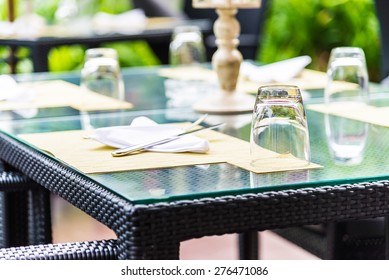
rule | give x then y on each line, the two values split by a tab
101	73
187	46
347	87
348	80
279	127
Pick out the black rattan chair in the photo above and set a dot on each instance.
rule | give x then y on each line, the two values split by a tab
25	215
349	240
86	250
382	6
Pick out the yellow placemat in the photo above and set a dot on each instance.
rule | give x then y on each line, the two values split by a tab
355	111
59	93
90	156
154	23
308	79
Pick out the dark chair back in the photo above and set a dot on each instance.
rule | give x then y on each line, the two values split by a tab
382	8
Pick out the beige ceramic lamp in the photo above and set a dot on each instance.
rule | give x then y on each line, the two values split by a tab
227	59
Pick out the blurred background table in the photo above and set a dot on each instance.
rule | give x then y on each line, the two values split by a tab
157	34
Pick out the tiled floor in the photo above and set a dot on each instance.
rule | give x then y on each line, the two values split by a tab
70	224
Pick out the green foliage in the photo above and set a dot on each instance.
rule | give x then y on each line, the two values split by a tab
66	58
114	6
46	9
134	53
314	27
3	10
292	28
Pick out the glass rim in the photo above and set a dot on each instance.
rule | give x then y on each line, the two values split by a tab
352	52
347	48
282	87
292	90
100	52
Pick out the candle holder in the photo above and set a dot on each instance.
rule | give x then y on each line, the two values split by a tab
227	58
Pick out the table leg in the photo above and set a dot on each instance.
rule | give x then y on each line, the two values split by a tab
161	50
12	60
248	245
40	60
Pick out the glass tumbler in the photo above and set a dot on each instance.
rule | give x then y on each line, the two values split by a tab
347	87
279	127
101	73
187	46
347	77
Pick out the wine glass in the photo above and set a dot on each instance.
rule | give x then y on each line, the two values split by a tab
347	87
279	127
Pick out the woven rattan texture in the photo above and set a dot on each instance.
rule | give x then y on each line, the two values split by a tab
313	242
25	216
363	249
89	250
348	247
154	231
4	233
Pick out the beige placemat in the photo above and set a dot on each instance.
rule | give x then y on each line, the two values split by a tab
308	79
355	111
58	93
90	156
154	23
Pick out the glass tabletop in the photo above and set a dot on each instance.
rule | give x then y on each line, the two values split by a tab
147	91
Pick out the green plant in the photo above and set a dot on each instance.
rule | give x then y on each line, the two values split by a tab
67	58
314	27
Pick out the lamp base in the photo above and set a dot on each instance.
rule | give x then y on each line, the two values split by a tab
226	103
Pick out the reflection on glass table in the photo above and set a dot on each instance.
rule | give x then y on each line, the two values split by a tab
346	139
186	182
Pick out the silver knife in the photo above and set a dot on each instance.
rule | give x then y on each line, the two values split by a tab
141	147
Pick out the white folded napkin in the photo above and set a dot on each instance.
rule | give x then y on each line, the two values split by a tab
11	91
281	71
130	22
143	130
6	28
29	25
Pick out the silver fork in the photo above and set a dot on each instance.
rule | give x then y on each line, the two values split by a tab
133	148
143	147
197	122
